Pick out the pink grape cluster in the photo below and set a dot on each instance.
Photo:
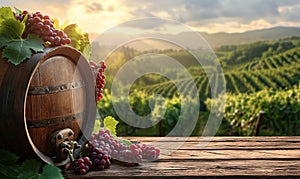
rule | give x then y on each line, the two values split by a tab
103	148
98	71
41	25
150	152
115	147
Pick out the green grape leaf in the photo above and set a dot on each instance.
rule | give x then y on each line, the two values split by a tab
3	41
29	169
56	23
18	11
97	126
50	171
8	170
8	157
18	50
86	46
71	31
126	142
12	28
25	19
79	40
6	13
8	164
6	177
111	124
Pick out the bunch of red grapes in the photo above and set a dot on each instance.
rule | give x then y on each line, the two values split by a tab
104	148
98	71
83	165
42	26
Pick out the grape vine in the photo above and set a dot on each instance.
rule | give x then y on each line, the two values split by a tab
278	109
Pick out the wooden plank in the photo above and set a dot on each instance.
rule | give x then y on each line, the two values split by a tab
222	157
242	145
200	168
232	154
217	139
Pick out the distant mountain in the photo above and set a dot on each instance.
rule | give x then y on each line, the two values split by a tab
219	39
188	38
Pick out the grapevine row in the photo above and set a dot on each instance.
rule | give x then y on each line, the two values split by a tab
236	82
279	111
285	59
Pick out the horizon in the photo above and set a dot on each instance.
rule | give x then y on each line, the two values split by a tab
213	33
110	40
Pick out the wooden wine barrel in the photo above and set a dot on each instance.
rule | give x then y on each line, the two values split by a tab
51	91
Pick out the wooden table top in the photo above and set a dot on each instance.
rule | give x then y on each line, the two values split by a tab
222	157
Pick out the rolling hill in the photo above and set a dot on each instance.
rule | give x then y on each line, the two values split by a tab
215	40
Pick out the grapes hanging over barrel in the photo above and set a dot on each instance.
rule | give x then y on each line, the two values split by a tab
98	70
42	26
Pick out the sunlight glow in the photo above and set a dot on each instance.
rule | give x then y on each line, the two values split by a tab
98	20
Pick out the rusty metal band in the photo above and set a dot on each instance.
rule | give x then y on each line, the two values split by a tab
54	121
55	89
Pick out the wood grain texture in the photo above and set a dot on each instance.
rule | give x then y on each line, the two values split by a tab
223	157
54	71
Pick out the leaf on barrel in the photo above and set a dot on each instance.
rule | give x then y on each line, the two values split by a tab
8	164
6	13
18	50
29	169
3	41
12	29
50	171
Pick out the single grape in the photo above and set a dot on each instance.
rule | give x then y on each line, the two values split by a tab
57	40
46	17
25	12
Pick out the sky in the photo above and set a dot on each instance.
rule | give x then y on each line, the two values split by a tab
210	16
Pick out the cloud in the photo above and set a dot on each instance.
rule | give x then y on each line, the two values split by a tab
110	8
247	11
94	7
147	23
205	12
198	14
290	13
